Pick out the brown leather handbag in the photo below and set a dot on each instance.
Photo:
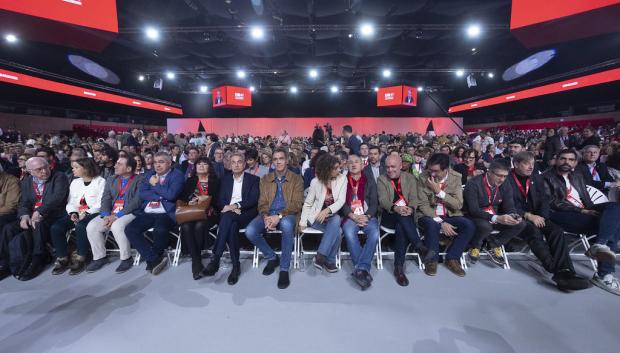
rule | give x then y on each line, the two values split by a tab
191	213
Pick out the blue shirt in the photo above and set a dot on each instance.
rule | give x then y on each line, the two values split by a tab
278	203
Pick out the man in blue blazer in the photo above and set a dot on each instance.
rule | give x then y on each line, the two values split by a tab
237	201
159	191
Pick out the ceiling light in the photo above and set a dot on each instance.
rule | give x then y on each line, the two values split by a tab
241	74
313	73
141	78
170	75
376	89
367	30
204	89
334	89
473	31
460	72
420	88
293	89
257	32
252	88
11	38
350	35
152	33
473	49
490	75
387	73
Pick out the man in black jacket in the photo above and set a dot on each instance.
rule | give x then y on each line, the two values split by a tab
188	165
42	204
530	199
573	209
490	205
594	173
375	168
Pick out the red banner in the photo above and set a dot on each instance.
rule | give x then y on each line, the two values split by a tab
58	87
397	96
567	85
537	23
231	97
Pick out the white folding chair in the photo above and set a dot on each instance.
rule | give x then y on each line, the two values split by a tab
347	253
385	232
301	257
253	253
176	252
294	254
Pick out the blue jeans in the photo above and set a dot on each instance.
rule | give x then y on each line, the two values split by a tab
330	242
161	224
464	229
606	225
362	257
256	229
405	231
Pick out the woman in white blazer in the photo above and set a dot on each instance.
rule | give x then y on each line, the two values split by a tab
326	195
83	205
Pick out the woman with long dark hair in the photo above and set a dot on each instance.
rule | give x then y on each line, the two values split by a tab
202	184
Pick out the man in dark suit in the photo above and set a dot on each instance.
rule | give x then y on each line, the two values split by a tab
238	199
530	198
490	205
212	145
218	97
375	168
41	205
595	173
559	142
159	192
409	97
188	165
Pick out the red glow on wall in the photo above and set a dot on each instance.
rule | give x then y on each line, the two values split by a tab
567	85
58	87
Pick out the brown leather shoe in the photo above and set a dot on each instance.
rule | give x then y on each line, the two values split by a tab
455	267
430	268
401	279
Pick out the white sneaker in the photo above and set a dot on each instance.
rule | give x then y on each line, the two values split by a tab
601	252
608	283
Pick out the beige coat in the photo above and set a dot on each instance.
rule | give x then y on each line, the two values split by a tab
316	197
408	185
453	200
9	194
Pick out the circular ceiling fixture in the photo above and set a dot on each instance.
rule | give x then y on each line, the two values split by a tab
91	68
529	64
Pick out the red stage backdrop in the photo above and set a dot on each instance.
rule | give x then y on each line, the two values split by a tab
305	126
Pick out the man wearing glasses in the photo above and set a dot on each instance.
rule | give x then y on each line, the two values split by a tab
490	205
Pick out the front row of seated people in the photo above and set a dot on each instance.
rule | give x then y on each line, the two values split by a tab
493	208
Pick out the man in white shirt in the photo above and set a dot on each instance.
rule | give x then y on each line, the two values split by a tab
306	164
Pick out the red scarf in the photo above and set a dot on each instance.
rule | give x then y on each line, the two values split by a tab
360	188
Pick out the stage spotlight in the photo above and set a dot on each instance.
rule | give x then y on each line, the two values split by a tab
170	75
387	73
460	72
204	89
313	73
334	89
152	33
141	78
252	88
473	50
350	35
473	31
257	32
293	89
11	38
376	89
490	75
420	88
367	30
241	74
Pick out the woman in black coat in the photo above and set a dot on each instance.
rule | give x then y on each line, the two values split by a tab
195	235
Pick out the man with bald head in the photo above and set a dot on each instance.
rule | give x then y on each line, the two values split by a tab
42	204
398	201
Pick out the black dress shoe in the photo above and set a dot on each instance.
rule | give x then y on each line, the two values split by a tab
271	266
360	278
283	280
212	267
159	265
197	269
4	272
569	280
401	278
32	271
233	278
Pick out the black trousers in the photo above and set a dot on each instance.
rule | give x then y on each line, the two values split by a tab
228	232
553	253
484	229
195	237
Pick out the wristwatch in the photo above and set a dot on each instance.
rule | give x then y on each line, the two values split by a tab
280	215
238	205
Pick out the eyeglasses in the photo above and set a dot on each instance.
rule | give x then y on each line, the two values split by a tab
503	176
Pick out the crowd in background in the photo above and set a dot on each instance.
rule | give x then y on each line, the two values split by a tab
109	164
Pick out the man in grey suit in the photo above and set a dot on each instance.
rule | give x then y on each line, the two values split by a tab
120	199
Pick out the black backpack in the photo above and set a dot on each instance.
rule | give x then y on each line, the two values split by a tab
20	252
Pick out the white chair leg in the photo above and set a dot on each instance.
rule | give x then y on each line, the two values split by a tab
379	255
586	246
506	264
295	253
136	260
177	252
255	258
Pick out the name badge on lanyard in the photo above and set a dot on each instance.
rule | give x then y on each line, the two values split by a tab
401	199
38	195
440	211
490	209
356	203
83	206
119	203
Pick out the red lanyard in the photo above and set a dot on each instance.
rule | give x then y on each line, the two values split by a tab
594	172
203	191
486	185
398	190
121	190
354	185
527	185
255	169
38	194
569	196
